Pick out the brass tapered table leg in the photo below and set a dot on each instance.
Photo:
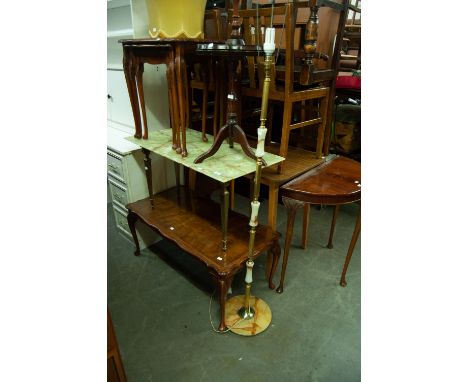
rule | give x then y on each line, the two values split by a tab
149	175
224	213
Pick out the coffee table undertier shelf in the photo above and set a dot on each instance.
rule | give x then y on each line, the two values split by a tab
192	222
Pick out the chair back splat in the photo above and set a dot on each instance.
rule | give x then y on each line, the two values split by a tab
308	38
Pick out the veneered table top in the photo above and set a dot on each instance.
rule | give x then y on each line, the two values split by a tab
192	222
337	181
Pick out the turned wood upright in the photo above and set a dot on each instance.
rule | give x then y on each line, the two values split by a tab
231	130
232	51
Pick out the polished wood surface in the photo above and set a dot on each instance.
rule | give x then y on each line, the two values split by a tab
115	370
192	222
335	182
297	162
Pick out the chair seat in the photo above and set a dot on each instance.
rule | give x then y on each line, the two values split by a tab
337	181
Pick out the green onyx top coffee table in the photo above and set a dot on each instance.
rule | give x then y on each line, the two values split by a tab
227	164
191	222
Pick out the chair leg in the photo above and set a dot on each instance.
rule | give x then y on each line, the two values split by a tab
273	191
275	251
305	225
321	131
285	133
292	206
357	230
332	228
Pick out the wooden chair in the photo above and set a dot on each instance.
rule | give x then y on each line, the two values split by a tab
350	58
306	78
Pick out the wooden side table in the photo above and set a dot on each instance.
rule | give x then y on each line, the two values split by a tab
335	182
231	130
177	55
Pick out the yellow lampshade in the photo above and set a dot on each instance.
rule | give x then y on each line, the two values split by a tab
175	18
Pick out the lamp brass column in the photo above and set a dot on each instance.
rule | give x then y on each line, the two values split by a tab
248	315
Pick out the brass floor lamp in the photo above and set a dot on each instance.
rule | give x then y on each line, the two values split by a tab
248	315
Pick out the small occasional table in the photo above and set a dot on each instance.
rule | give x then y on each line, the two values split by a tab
335	182
177	54
231	130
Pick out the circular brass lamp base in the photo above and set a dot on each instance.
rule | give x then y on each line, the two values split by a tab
250	326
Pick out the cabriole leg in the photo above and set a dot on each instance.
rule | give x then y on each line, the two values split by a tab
131	219
357	231
291	206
